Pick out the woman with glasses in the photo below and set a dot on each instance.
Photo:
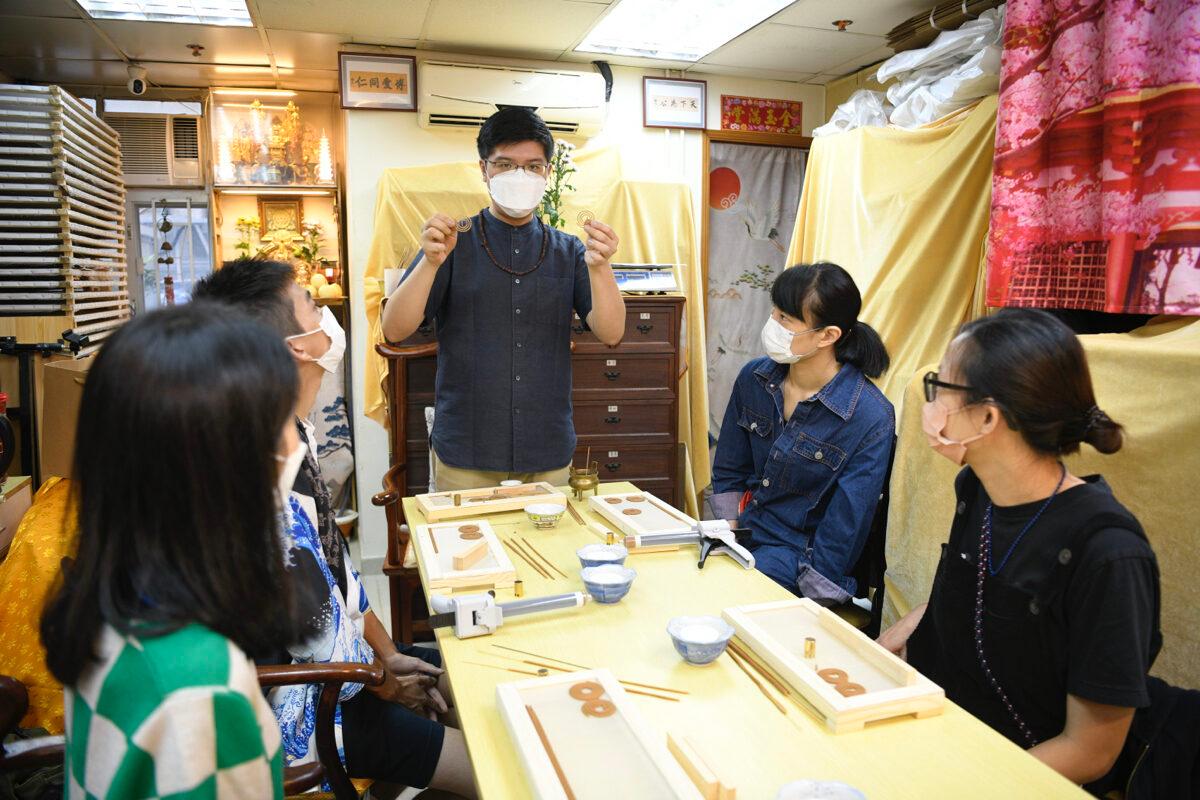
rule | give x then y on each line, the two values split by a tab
1043	617
501	287
807	438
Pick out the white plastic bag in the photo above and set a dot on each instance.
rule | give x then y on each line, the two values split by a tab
977	77
865	108
949	47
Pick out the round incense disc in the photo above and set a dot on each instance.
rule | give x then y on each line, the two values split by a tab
632	511
850	689
599	708
463	225
612	500
635	499
470	535
587	690
468	529
584	218
832	675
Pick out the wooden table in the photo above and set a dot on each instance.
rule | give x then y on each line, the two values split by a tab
747	740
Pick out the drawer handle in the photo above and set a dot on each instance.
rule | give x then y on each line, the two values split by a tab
612	420
613	466
577	328
612	375
645	328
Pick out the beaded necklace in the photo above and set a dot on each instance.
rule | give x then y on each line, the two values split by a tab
487	249
985	566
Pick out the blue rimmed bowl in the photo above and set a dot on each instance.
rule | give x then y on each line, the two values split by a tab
700	640
598	555
608	583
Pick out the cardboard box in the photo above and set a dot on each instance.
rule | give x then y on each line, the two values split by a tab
62	390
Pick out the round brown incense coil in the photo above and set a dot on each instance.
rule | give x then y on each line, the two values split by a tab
612	501
586	690
468	529
584	217
599	708
463	225
832	675
850	689
470	536
632	511
635	499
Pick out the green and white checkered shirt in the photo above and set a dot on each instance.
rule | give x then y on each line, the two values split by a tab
179	716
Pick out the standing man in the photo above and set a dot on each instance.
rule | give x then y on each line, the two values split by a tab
501	294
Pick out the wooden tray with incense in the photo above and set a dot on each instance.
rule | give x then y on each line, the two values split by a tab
463	553
639	513
580	737
849	679
492	500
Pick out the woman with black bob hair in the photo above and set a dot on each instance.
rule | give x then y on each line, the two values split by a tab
1043	619
185	435
807	438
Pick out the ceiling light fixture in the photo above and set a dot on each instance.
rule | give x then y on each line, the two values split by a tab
842	24
675	30
229	92
229	13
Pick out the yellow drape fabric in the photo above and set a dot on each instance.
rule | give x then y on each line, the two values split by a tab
653	220
906	213
46	534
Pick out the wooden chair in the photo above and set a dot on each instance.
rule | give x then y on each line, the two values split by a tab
404	583
14	700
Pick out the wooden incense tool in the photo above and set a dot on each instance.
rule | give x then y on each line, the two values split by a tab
536	567
536	552
468	556
506	492
558	770
574	514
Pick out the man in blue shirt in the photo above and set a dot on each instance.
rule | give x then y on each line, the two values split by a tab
501	294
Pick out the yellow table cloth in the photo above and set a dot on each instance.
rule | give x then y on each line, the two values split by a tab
748	742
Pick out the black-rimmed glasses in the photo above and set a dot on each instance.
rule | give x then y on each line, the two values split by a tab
932	384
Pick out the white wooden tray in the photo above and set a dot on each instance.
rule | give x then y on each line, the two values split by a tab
463	553
639	513
776	633
492	500
572	755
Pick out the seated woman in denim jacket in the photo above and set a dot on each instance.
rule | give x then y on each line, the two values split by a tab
806	440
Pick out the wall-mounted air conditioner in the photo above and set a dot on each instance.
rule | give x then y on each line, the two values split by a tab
464	95
159	149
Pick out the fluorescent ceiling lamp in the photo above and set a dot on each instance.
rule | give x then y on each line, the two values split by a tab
254	92
675	30
196	12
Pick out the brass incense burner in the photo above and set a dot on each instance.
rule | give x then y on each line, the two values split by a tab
585	479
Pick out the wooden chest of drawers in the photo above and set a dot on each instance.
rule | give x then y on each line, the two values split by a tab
626	403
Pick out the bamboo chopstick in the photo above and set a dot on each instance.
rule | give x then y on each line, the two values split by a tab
758	683
558	770
433	539
574	514
651	694
580	666
760	669
536	568
497	666
549	563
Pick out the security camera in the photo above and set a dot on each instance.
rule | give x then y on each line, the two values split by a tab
137	80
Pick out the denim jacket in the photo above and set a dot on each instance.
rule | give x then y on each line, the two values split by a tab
814	480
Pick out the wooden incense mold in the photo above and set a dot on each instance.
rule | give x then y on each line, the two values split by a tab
612	754
883	687
447	562
469	556
640	513
698	769
442	506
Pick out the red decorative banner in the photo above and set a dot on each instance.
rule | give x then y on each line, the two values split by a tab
762	114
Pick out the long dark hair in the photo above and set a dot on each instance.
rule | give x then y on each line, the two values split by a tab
175	477
828	294
1034	368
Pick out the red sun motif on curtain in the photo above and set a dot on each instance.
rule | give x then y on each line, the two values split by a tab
724	186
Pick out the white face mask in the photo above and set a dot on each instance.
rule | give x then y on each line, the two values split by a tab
289	470
332	358
777	342
517	193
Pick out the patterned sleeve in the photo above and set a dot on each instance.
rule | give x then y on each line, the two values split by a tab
354	584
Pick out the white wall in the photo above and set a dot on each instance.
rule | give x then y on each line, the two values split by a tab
379	140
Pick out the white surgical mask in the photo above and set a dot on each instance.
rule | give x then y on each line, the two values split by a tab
332	358
517	193
289	470
777	342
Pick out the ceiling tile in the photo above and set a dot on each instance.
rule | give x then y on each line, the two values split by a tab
366	20
49	70
52	38
446	50
176	74
874	17
304	50
866	59
795	76
624	61
783	47
372	39
167	41
321	80
39	8
511	24
821	80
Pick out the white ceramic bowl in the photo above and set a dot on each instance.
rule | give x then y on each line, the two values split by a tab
597	555
545	515
609	583
699	640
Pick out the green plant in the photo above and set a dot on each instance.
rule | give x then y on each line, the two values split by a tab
309	249
245	226
562	167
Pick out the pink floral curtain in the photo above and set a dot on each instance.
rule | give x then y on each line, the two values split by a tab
1096	185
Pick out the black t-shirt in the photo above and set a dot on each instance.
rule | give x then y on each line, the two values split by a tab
1109	604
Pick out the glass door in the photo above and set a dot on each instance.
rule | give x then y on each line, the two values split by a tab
173	246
